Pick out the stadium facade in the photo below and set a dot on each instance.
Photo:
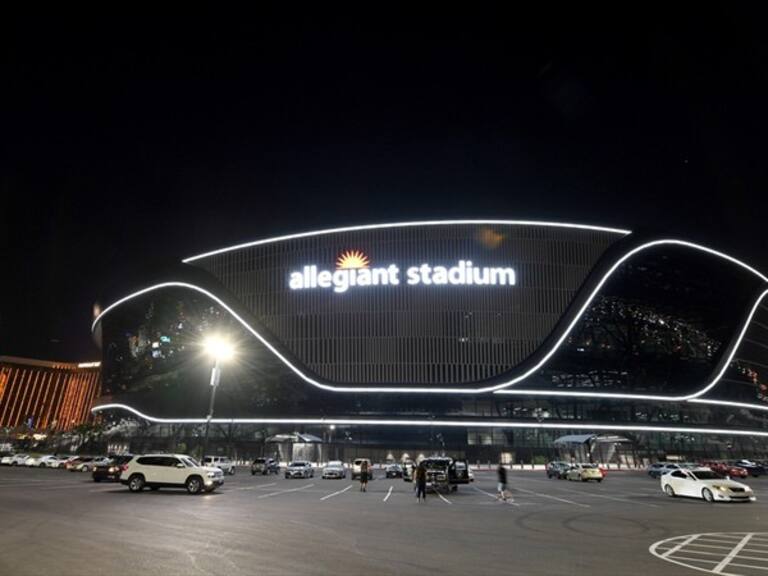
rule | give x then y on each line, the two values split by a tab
482	337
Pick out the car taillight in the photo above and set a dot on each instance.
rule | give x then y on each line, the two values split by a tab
123	467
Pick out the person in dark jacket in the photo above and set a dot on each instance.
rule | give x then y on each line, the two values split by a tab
364	476
501	472
420	478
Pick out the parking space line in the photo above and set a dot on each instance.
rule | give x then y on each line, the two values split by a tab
389	493
443	498
748	566
693	559
679	546
336	493
711	546
284	491
614	498
553	497
495	497
259	487
732	554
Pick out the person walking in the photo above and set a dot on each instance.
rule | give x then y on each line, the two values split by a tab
364	476
501	472
420	478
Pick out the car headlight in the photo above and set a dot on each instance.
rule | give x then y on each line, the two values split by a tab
211	474
721	488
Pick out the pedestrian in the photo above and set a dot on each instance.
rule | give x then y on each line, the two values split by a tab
420	478
502	487
364	476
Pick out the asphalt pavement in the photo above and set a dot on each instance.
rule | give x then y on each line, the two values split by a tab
59	522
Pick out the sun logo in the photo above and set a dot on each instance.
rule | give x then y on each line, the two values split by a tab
352	259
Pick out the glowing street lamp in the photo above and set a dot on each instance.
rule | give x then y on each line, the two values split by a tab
219	349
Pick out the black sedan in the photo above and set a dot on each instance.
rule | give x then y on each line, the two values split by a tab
394	471
111	472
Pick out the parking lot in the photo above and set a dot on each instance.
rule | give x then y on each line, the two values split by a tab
63	523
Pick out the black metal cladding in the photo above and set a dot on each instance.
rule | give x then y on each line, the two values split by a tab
660	326
415	334
746	379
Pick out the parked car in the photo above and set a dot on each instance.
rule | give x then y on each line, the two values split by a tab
111	470
705	484
584	472
82	464
660	468
18	459
335	470
265	466
445	473
73	461
223	462
68	462
89	464
157	471
557	470
754	468
51	461
394	471
357	463
299	469
722	469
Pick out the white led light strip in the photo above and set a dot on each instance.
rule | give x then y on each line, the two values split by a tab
406	225
498	388
432	423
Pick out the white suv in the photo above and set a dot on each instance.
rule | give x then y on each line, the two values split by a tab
223	462
170	471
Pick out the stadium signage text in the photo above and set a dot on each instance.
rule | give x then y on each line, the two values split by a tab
344	278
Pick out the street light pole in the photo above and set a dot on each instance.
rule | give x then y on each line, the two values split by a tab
215	378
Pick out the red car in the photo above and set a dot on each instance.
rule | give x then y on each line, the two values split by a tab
723	469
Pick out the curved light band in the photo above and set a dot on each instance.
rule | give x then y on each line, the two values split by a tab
498	388
432	423
406	225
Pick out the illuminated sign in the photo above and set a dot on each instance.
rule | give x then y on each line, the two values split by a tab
353	270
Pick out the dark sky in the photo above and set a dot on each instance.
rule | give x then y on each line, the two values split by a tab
127	145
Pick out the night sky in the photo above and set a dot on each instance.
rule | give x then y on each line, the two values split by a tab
129	145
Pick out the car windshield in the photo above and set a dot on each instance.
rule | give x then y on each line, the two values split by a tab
334	464
705	475
298	464
436	464
260	461
189	461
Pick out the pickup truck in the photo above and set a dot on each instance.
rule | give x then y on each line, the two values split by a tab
445	473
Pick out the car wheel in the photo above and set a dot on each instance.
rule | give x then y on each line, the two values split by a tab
669	491
86	469
286	476
253	473
599	480
707	495
194	484
232	471
136	483
96	479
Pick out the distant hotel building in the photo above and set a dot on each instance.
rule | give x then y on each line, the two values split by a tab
40	395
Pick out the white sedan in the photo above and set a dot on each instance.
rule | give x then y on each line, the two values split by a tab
704	483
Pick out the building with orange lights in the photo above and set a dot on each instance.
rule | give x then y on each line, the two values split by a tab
41	395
